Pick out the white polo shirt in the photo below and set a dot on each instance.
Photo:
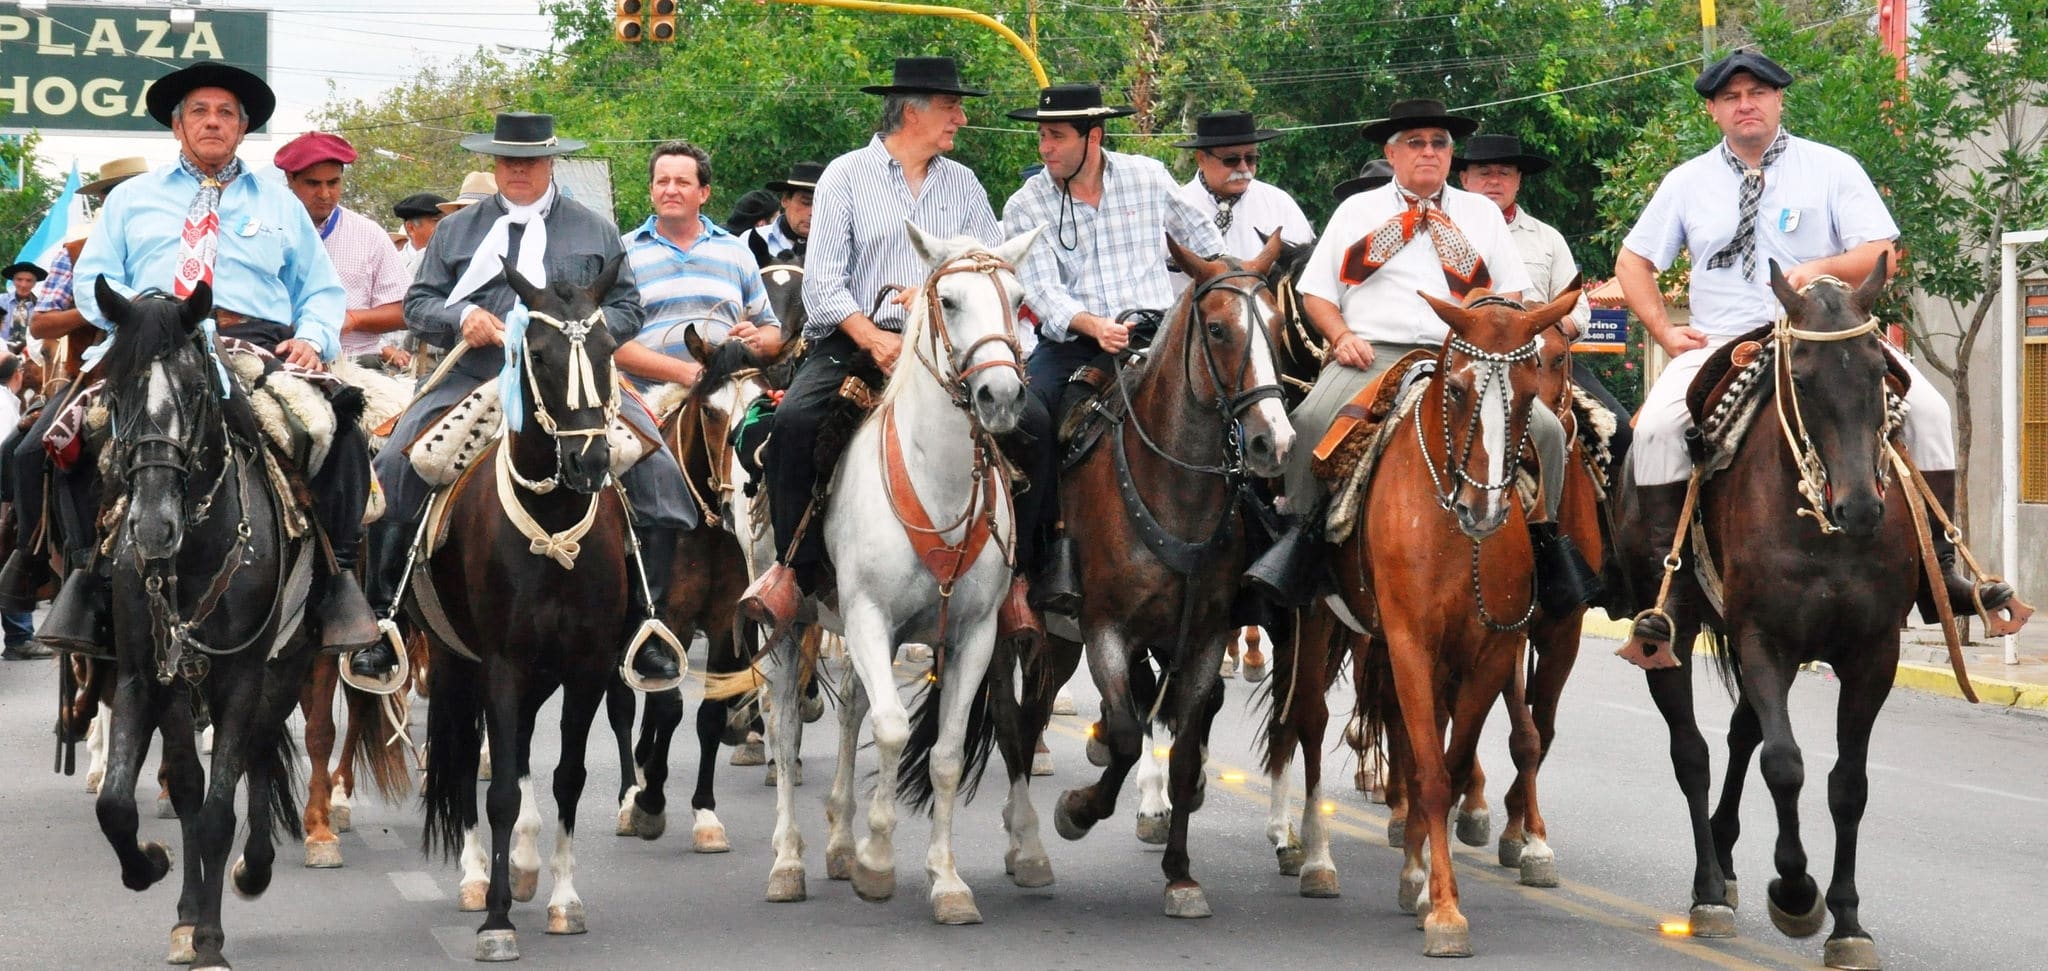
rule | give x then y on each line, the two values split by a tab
1385	307
1817	203
1263	208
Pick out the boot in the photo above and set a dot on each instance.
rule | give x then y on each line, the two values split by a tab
1057	589
1564	580
79	619
1017	620
772	599
1962	591
1286	573
656	660
24	574
1650	642
389	545
346	623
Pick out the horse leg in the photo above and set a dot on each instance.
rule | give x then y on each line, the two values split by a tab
959	690
1445	930
138	707
619	706
1864	689
869	644
579	710
1311	719
1199	698
316	702
853	709
1794	897
496	940
526	833
96	736
215	827
1155	807
1123	734
1557	650
1254	658
341	809
187	781
660	716
707	832
1745	733
266	749
1522	846
1281	739
786	876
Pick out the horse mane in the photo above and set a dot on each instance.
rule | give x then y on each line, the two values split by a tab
915	325
153	330
726	360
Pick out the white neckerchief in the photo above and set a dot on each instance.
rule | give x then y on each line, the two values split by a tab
488	261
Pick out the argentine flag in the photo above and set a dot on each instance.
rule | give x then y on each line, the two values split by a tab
66	212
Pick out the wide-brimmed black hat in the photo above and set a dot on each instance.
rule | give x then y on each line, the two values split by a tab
1376	173
925	75
1227	128
802	175
1071	102
418	205
752	209
522	134
1418	113
1746	60
170	90
13	268
1497	149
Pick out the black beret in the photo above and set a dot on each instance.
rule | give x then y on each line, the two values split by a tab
1756	65
418	205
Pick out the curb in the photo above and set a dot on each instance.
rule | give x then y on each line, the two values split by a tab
1931	679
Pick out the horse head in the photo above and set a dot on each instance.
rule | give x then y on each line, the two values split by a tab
1297	347
963	323
1488	378
1229	313
1837	390
783	276
564	356
163	396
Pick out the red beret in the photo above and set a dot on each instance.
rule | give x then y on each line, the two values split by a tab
313	148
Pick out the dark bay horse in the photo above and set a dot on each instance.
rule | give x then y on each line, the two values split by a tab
522	624
1156	509
1828	580
199	555
1440	570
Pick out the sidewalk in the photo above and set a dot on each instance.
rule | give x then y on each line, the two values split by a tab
1923	662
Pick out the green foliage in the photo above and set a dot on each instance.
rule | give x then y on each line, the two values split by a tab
409	139
22	211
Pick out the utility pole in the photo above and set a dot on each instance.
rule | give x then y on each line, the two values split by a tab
1707	24
1891	30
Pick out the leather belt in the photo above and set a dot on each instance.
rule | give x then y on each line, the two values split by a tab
228	318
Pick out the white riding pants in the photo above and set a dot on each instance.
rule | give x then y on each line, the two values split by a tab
1658	456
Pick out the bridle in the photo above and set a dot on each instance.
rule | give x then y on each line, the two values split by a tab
1228	405
1814	486
563	547
938	338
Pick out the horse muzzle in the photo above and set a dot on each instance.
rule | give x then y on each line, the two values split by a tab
1482	519
1268	437
156	526
997	397
1858	512
586	463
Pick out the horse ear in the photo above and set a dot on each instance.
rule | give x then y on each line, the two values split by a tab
528	293
1192	265
607	276
199	305
1873	285
1794	303
1269	254
1014	249
1552	312
760	247
695	342
927	248
1457	317
113	305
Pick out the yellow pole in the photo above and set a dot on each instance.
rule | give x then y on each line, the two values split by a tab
930	10
1707	24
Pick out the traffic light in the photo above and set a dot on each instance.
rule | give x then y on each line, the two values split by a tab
661	21
626	25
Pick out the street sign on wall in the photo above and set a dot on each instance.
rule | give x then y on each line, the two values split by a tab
86	68
1607	333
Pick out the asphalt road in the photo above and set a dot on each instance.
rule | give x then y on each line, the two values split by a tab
1953	869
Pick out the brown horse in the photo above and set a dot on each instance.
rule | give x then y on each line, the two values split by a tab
1827	578
371	744
1452	638
1156	508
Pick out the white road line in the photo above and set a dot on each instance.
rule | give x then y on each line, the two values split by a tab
1966	787
458	942
416	886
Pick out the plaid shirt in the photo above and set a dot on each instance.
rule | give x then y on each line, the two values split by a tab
57	288
1118	261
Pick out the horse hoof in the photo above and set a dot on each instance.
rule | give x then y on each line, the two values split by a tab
1063	704
955	907
917	653
164	809
181	946
1510	852
470	899
1228	671
341	819
1796	925
248	885
647	825
1187	902
323	856
812	708
1852	954
92	780
786	885
1291	857
1539	871
839	863
496	946
751	752
1064	823
159	858
707	834
1098	750
1712	921
872	885
1319	883
1153	828
525	883
1446	939
1475	829
1397	833
567	919
1255	673
1031	873
624	825
1734	902
1041	763
1409	896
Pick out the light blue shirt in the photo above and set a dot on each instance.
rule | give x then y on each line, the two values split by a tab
714	284
271	263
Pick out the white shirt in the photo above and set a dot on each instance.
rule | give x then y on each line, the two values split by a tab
1263	208
1549	262
10	414
1385	307
410	257
1817	203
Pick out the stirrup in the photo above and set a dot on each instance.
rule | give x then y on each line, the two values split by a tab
652	628
1649	646
2006	618
400	672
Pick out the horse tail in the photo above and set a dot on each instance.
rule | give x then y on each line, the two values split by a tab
1373	675
725	686
282	765
1727	663
914	778
380	745
454	740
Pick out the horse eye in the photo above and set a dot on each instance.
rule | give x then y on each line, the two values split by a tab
947	303
1216	330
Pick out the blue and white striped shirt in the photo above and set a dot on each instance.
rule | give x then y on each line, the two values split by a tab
1119	261
858	244
713	284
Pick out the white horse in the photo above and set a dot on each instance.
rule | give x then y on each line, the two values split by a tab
958	383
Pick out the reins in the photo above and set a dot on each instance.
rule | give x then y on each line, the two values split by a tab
1813	473
563	547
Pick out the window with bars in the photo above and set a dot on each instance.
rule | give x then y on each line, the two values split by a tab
2034	397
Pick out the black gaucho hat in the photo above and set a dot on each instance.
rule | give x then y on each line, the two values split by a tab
24	267
170	90
802	175
1746	60
1071	102
925	75
1418	113
521	134
1376	173
1492	148
1219	128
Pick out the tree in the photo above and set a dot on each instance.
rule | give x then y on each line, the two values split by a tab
22	208
409	139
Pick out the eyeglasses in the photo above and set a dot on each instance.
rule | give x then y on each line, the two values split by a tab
1248	159
1438	144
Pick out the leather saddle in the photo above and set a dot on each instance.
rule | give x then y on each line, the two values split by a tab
1351	434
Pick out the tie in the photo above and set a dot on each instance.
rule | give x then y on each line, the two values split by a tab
200	242
1743	246
1463	267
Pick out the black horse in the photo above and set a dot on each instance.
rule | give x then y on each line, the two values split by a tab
199	556
783	274
1826	579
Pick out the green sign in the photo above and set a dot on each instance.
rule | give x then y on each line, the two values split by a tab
85	69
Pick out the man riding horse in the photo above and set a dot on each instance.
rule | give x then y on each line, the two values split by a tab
461	296
1761	195
208	220
859	251
1362	290
1101	284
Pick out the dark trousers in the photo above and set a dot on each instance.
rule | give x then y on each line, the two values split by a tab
27	468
